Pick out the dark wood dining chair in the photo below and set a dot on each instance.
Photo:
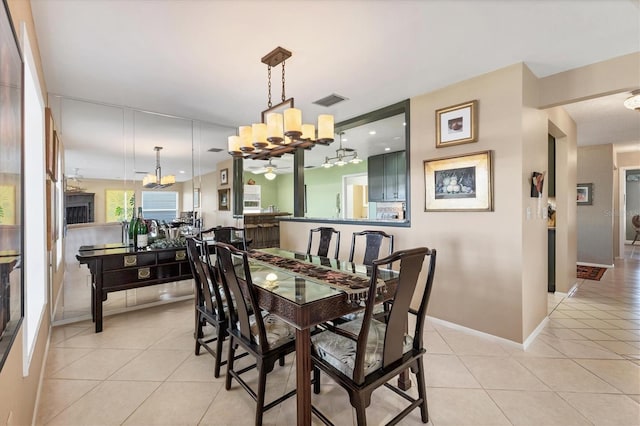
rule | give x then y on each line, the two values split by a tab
635	221
364	354
209	303
373	242
231	235
265	337
325	236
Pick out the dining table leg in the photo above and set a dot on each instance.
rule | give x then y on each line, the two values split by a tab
303	376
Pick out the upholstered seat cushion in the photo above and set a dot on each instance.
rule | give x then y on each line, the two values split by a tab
340	351
278	332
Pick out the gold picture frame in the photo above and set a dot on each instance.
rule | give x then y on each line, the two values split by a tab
224	200
457	124
459	183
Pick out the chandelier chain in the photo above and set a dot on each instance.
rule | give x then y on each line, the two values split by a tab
283	95
269	86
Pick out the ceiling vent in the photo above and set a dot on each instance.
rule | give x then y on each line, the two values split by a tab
332	99
214	150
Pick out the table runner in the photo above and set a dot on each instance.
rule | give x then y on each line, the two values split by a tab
356	286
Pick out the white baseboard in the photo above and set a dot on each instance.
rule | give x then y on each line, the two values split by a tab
476	332
535	333
598	265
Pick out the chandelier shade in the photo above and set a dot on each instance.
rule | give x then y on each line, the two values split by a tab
633	102
282	129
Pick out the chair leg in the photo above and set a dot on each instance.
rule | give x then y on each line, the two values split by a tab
422	391
230	358
316	380
262	386
219	342
635	238
198	332
281	361
361	410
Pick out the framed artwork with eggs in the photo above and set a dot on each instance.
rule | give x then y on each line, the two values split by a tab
457	124
460	183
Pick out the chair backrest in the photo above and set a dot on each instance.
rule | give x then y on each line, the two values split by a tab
240	293
326	235
411	262
373	243
230	235
635	220
206	279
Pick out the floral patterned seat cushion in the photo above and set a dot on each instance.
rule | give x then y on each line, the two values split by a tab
278	332
340	351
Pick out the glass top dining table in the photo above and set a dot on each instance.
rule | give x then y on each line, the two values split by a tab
304	291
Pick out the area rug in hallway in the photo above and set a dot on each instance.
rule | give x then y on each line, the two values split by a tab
591	272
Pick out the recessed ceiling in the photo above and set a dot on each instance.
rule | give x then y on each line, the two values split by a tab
200	60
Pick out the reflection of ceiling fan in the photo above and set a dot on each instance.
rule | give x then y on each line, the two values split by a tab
74	182
269	170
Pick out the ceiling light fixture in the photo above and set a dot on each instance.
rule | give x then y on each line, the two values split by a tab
158	181
633	102
343	156
279	133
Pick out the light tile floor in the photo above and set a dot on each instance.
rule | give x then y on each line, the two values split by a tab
583	369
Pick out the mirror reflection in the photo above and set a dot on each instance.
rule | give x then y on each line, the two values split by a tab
360	176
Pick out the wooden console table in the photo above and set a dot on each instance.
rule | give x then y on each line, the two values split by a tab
115	267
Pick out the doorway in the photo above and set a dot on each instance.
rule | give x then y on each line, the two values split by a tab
355	193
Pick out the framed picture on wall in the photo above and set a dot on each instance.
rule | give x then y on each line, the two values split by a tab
224	176
196	198
223	199
460	183
584	194
457	124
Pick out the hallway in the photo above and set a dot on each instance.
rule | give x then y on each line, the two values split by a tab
583	369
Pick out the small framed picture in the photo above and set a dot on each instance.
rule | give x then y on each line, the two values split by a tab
196	198
223	199
224	176
457	124
584	194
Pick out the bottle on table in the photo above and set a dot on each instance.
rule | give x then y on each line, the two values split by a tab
132	227
141	233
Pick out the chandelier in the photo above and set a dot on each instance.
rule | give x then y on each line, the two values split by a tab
279	133
158	181
343	156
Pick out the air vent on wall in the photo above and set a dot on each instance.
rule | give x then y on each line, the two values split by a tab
214	150
332	99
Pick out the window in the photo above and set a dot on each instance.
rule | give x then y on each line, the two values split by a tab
160	205
119	204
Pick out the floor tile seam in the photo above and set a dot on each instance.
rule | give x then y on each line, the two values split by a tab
140	404
424	339
50	375
504	414
98	383
221	388
607	381
577	409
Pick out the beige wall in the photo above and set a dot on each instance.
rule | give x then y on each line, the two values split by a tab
479	276
18	393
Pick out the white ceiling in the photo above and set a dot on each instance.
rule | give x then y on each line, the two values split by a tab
200	60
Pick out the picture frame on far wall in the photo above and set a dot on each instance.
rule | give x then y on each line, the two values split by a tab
196	198
50	143
224	176
223	199
457	124
584	194
459	183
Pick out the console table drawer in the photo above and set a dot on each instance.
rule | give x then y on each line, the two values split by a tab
133	275
179	255
128	261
